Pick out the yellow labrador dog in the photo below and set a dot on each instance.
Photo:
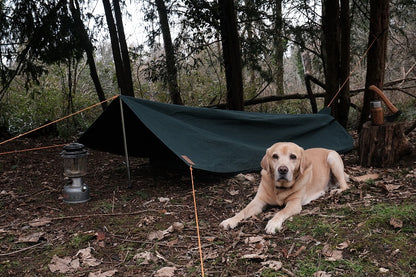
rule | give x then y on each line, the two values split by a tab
291	177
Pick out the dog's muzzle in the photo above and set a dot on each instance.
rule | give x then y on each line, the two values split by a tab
282	173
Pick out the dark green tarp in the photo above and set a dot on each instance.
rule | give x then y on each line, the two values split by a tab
215	140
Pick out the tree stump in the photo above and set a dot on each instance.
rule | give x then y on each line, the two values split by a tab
383	146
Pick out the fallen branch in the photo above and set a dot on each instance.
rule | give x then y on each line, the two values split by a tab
88	215
22	249
271	98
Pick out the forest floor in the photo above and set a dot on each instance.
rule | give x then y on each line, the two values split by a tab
150	229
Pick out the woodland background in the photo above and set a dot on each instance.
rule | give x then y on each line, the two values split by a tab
58	56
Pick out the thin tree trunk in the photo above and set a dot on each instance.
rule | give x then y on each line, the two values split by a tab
336	55
343	106
115	48
278	46
231	54
376	58
330	47
172	72
88	48
124	49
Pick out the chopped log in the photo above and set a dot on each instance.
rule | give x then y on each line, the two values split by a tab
383	146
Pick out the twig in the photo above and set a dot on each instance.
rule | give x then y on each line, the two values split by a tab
90	215
290	273
23	249
114	196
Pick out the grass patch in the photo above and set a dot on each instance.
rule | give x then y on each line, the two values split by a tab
79	239
381	214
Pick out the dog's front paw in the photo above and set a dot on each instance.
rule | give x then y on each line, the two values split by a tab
230	223
273	225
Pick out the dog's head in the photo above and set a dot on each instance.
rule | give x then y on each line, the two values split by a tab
284	161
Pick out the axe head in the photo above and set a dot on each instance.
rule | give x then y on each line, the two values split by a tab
393	117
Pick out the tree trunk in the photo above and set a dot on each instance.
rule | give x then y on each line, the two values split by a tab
124	49
383	146
115	46
343	106
172	72
88	48
330	49
336	56
231	55
278	46
376	57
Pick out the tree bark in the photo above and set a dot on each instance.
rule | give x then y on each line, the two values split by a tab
172	72
336	55
125	58
278	46
343	106
231	55
330	48
376	57
89	50
383	146
115	46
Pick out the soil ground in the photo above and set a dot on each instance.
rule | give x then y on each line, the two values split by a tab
150	229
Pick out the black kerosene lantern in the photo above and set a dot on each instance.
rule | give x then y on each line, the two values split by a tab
75	167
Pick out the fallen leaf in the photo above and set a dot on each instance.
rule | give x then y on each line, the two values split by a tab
165	272
390	188
100	236
87	258
383	270
343	245
159	235
254	256
172	242
178	226
366	177
331	255
35	237
103	274
321	274
163	199
63	265
396	223
40	222
251	240
306	239
156	235
145	257
361	224
233	192
303	247
274	265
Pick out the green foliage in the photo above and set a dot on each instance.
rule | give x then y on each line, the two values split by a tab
381	214
79	240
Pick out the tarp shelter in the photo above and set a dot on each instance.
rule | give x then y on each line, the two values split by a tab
215	140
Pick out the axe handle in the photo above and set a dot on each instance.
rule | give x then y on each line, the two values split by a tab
389	105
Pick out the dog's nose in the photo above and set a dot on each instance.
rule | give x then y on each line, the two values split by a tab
283	170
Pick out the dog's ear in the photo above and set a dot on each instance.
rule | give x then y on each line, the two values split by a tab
265	161
305	163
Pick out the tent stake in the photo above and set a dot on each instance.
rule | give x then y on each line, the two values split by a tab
125	143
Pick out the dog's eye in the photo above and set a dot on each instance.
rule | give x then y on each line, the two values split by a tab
275	156
293	157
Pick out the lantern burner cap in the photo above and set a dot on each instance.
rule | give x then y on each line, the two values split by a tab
73	150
